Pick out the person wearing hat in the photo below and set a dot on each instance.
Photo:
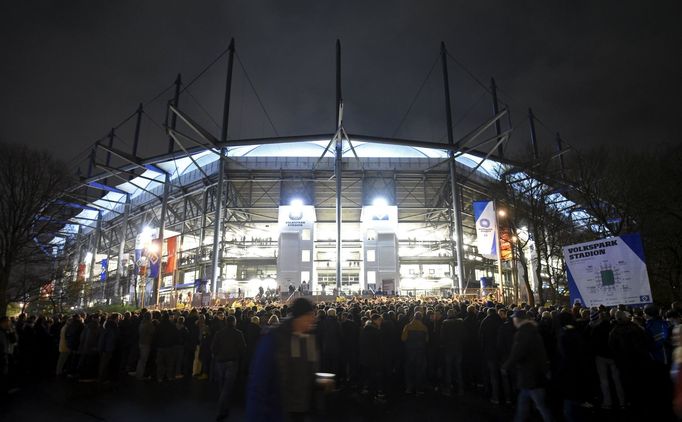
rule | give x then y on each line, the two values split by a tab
529	359
282	377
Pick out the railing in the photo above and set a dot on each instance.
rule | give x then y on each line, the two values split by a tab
200	300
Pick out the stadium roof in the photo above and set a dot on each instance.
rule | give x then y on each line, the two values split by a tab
182	168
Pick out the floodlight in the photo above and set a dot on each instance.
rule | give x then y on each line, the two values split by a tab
296	203
380	202
153	247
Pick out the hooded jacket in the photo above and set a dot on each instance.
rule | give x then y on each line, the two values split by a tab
528	356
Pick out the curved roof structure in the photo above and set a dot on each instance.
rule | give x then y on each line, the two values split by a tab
183	168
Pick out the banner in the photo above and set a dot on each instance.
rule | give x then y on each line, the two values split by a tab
608	272
486	225
80	274
171	248
104	269
154	256
505	244
140	261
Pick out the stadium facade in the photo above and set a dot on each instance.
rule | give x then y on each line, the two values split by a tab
335	213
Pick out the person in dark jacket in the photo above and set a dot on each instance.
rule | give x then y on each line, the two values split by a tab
329	339
644	388
349	348
452	335
658	333
126	341
607	370
505	341
529	358
252	336
282	376
488	337
631	353
108	340
8	339
371	354
183	348
87	367
573	368
228	350
472	354
167	337
72	335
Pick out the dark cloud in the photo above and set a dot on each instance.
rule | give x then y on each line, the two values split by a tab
603	73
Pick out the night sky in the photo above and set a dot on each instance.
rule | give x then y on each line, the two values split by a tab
600	72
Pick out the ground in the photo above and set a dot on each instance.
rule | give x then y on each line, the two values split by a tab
193	400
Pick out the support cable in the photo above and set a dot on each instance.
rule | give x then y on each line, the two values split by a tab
213	120
204	70
414	99
248	79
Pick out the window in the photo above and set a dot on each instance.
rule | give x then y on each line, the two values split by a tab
371	255
371	235
305	234
305	255
371	277
189	277
305	276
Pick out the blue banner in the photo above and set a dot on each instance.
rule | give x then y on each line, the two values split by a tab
105	268
154	256
486	228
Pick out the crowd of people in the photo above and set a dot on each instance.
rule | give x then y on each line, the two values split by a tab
565	362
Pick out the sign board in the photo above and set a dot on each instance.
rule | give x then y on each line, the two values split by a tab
293	218
380	218
486	228
608	272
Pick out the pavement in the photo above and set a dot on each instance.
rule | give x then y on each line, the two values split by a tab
193	400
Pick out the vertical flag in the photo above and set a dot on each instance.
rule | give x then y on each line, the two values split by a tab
486	224
104	269
138	261
80	275
171	248
505	244
154	256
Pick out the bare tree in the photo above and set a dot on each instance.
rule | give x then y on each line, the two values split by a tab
638	192
30	182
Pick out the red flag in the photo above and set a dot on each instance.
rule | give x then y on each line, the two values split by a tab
80	275
505	244
171	248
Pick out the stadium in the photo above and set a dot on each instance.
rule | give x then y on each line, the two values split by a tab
214	219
